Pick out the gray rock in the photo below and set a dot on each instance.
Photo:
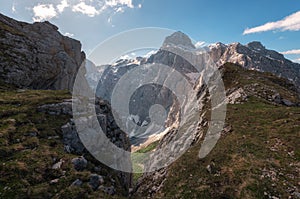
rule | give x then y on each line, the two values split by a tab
64	108
55	181
71	139
37	56
179	39
58	164
109	190
77	182
79	163
95	181
256	57
277	98
296	194
208	168
287	102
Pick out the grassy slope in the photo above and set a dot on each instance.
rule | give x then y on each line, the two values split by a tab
26	159
138	157
259	158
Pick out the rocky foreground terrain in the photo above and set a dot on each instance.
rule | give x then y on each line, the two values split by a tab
42	156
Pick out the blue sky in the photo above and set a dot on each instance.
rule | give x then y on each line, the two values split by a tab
275	23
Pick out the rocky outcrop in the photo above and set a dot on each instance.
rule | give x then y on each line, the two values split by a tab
255	56
37	56
235	97
64	108
179	39
73	144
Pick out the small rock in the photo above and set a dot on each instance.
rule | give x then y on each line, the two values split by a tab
77	182
296	194
276	97
208	168
55	181
109	190
79	163
58	164
33	134
71	140
287	102
97	169
53	137
95	181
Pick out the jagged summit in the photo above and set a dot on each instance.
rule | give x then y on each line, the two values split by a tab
256	56
179	39
256	45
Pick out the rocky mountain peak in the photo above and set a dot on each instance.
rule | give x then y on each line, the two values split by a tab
256	56
255	45
179	39
45	24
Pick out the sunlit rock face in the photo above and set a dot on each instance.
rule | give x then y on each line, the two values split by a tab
255	56
37	56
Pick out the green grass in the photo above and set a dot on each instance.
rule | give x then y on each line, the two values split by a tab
26	160
260	155
138	159
241	156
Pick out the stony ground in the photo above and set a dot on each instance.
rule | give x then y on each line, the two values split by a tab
34	162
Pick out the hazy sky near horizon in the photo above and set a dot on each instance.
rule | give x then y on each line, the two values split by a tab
275	23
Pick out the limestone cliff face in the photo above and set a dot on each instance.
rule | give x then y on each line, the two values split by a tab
255	56
37	56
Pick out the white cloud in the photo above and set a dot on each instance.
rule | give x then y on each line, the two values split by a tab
200	44
119	9
297	60
129	56
114	3
63	4
13	8
69	34
126	57
152	52
88	10
291	52
44	12
291	22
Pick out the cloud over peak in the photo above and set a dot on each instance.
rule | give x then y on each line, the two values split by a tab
85	9
114	3
291	23
44	12
63	4
90	8
292	52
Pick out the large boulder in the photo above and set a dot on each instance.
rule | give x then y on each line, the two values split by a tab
37	56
